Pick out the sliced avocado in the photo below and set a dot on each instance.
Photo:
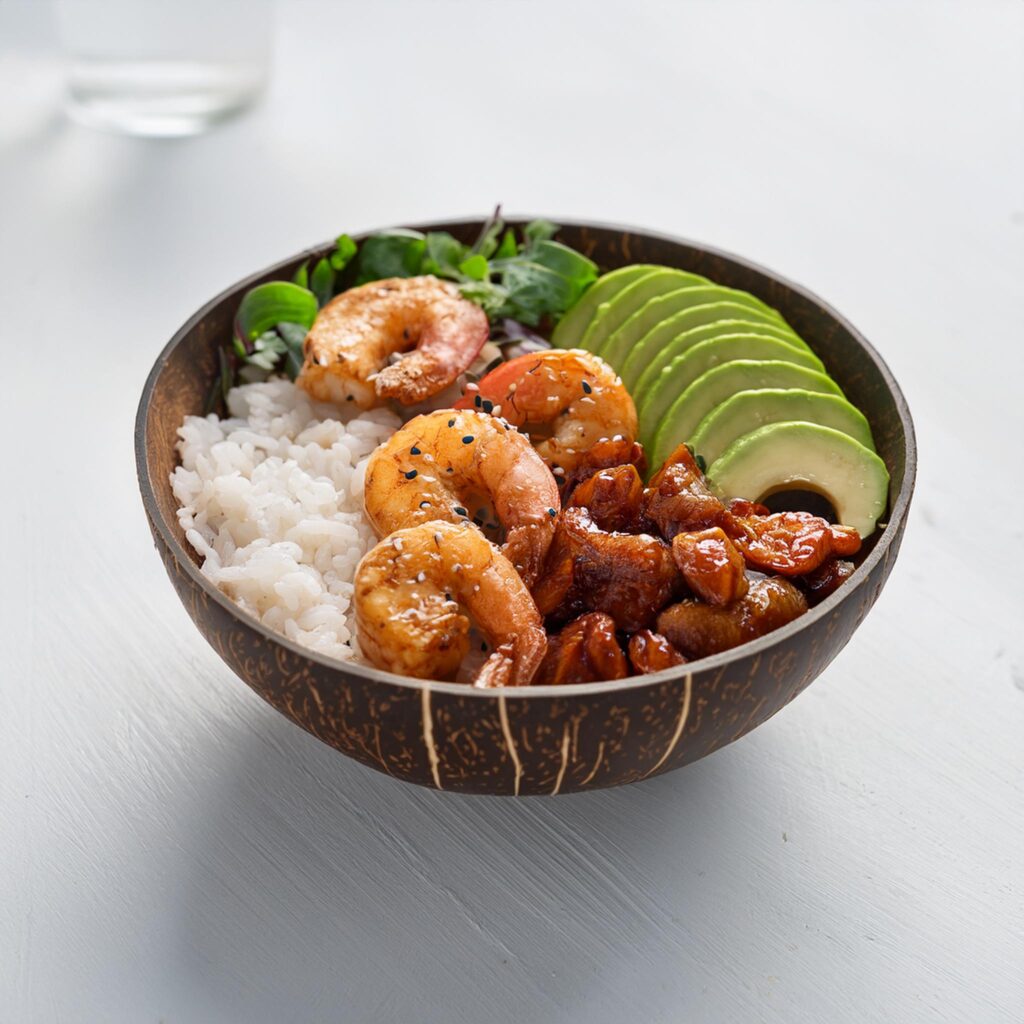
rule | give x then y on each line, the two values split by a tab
675	378
634	368
610	315
573	325
663	343
749	410
785	456
720	383
616	349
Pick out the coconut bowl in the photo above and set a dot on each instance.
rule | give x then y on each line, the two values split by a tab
545	739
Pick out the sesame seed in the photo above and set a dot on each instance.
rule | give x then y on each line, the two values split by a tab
397	543
421	577
587	388
483	645
414	450
468	439
411	475
497	410
447	596
487	404
552	512
476	401
472	387
437	538
512	388
558	471
460	511
451	423
424	504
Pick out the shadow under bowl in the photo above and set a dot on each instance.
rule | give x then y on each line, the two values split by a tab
541	739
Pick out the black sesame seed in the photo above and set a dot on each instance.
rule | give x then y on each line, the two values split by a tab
459	511
451	423
488	405
552	512
447	596
476	401
468	439
414	450
411	475
483	645
587	388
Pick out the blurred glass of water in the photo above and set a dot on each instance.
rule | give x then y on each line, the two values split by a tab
163	67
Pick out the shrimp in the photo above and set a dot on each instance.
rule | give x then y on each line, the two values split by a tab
465	466
415	592
566	400
349	345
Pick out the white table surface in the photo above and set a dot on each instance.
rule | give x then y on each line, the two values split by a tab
171	849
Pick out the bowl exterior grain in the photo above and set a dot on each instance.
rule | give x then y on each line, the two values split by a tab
543	739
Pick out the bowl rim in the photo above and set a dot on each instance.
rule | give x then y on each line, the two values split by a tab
891	531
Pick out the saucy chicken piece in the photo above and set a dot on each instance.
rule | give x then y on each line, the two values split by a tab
790	543
825	580
614	498
585	651
678	499
606	454
651	652
699	629
712	567
629	576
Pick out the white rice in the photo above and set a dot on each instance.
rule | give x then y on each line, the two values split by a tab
272	500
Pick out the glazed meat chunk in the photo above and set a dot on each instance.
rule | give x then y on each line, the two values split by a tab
712	567
678	499
629	576
651	652
699	629
585	651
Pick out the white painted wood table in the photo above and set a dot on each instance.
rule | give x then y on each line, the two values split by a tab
171	849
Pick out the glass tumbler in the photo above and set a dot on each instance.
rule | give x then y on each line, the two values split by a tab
163	67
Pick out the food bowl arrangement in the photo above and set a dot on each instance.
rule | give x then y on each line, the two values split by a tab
819	389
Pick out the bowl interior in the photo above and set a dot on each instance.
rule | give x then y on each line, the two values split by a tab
183	375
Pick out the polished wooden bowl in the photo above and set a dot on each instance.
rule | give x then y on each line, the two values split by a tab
544	739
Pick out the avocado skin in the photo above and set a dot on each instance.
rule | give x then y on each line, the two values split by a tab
782	456
720	383
698	359
746	411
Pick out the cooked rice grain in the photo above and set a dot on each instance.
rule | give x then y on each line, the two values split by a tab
272	500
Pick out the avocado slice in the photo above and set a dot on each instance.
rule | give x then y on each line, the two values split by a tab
663	343
749	410
633	369
720	383
571	328
616	349
610	315
675	378
784	456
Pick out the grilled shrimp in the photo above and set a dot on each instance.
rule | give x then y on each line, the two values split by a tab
414	595
465	466
348	347
566	400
